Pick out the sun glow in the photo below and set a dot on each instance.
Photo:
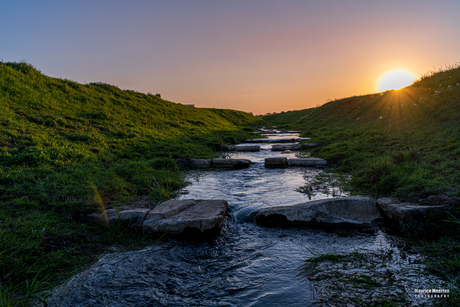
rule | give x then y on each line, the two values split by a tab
395	80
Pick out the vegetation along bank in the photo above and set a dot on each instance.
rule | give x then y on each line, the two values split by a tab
66	148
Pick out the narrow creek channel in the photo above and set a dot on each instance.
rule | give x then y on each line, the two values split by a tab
247	265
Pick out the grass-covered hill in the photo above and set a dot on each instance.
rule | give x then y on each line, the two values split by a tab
48	116
66	147
404	143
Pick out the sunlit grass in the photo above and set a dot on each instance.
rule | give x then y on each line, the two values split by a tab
68	148
358	132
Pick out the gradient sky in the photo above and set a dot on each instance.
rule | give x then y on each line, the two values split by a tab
251	55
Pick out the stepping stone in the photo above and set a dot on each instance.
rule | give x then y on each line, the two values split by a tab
295	147
354	211
227	147
279	147
194	163
407	213
231	163
200	163
187	217
278	162
247	147
280	140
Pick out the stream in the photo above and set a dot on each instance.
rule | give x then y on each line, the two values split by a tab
247	265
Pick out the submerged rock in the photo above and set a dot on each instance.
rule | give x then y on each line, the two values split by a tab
354	211
399	212
187	217
278	162
231	163
307	162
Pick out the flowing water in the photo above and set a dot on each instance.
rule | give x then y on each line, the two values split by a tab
247	265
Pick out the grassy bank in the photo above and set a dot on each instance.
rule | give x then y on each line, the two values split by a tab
66	148
403	143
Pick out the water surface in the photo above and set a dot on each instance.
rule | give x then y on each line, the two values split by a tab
247	265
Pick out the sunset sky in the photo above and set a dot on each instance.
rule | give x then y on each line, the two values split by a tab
251	55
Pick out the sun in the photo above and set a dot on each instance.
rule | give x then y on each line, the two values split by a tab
395	80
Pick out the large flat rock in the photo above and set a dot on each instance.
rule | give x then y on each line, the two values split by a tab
277	140
407	213
277	162
227	147
188	217
354	211
279	147
194	163
200	163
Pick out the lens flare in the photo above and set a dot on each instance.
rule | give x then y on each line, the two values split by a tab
395	80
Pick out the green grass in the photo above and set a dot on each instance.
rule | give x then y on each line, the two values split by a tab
402	143
68	148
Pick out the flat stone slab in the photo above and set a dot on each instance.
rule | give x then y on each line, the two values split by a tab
279	147
187	217
353	211
280	140
307	162
194	163
200	163
278	162
231	163
247	147
295	147
134	217
407	213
